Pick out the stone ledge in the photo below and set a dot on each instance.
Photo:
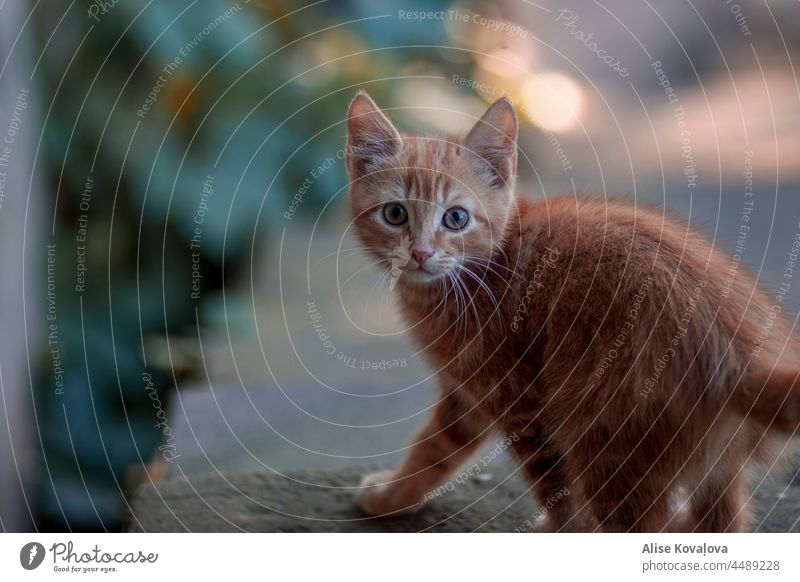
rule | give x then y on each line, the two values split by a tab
322	501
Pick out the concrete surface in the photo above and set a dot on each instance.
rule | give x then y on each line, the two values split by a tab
322	501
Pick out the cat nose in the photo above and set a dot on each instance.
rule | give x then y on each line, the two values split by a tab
421	255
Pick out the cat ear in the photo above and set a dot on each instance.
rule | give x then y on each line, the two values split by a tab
371	137
494	141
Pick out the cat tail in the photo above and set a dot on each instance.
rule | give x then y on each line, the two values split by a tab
773	400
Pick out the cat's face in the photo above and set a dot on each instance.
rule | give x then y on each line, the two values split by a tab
425	206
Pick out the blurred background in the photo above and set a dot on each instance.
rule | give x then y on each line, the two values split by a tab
181	293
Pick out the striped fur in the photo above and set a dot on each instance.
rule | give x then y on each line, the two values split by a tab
605	340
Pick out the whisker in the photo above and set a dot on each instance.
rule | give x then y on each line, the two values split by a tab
319	262
483	260
481	264
379	282
482	284
458	299
359	271
443	301
499	249
470	304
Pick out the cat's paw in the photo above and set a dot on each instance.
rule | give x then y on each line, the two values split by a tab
382	494
563	523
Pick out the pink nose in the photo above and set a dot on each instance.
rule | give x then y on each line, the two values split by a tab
421	255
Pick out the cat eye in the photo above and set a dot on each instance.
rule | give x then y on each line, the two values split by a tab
455	218
395	213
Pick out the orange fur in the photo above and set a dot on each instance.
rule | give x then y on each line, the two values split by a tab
601	335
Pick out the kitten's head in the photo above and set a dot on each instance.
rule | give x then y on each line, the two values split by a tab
429	204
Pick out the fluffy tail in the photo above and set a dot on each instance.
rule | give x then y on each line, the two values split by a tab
773	400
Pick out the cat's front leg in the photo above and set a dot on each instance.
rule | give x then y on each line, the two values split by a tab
449	437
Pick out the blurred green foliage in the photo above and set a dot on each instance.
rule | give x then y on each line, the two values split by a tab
144	100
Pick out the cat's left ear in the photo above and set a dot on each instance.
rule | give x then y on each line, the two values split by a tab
493	140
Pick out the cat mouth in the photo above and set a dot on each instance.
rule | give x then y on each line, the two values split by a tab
424	273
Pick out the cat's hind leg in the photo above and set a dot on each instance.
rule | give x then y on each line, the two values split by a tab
545	470
719	501
623	491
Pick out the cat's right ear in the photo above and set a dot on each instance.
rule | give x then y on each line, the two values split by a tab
371	137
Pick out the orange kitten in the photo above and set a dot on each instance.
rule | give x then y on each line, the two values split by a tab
602	338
